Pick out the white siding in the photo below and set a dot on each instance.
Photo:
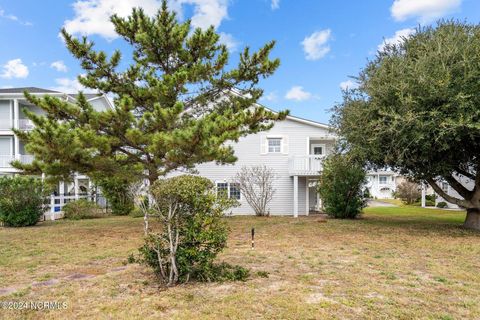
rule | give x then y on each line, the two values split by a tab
5	114
251	150
99	104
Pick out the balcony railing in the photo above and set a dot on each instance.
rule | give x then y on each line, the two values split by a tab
5	160
310	165
25	124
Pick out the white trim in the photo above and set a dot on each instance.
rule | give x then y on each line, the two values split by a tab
295	196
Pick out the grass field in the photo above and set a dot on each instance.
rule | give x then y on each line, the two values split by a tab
394	263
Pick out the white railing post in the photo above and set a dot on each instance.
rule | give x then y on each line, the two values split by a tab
52	207
295	196
423	195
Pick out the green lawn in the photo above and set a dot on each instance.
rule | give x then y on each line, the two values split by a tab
394	263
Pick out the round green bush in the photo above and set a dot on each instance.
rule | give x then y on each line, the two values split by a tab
82	209
21	201
442	204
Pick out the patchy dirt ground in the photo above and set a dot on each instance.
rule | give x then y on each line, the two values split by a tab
394	263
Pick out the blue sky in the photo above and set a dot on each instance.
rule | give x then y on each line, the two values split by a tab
320	43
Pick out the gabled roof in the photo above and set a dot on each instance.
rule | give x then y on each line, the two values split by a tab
89	96
29	89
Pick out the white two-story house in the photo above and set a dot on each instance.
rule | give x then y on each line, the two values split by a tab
295	149
12	104
382	184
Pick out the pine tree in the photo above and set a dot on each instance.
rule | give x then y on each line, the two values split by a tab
177	104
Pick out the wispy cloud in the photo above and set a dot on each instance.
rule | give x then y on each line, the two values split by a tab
59	66
11	17
348	84
275	4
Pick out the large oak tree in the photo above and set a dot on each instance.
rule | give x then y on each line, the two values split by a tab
176	103
417	110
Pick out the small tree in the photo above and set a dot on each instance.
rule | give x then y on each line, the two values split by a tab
408	192
341	187
187	231
256	185
117	192
21	201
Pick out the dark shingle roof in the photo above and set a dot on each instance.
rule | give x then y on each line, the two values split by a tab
29	89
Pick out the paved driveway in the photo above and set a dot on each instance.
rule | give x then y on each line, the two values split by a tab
376	203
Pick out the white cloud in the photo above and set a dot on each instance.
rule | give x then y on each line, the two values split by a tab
14	69
207	12
316	45
396	38
228	40
67	85
272	96
93	16
297	93
348	84
59	66
275	4
425	10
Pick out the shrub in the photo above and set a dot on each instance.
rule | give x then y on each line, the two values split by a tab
116	191
21	201
408	192
190	234
82	209
340	187
256	185
442	204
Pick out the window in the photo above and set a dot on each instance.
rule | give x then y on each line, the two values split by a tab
230	190
382	179
445	187
317	150
274	145
234	191
222	189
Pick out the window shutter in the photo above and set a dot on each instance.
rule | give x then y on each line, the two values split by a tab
263	144
285	144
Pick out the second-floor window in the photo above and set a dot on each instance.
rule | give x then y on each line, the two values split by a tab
382	179
274	145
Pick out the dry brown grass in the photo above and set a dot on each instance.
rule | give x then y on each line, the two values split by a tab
395	263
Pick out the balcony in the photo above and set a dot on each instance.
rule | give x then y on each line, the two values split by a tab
5	160
309	165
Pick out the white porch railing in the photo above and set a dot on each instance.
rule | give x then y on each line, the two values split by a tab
5	160
25	124
308	165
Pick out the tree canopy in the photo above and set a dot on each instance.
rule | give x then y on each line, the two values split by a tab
417	110
175	105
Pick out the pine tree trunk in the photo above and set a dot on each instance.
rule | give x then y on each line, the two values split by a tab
472	221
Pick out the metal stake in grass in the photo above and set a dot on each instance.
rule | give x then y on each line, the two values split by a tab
253	238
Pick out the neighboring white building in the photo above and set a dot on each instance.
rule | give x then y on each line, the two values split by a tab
466	182
295	149
12	103
382	183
